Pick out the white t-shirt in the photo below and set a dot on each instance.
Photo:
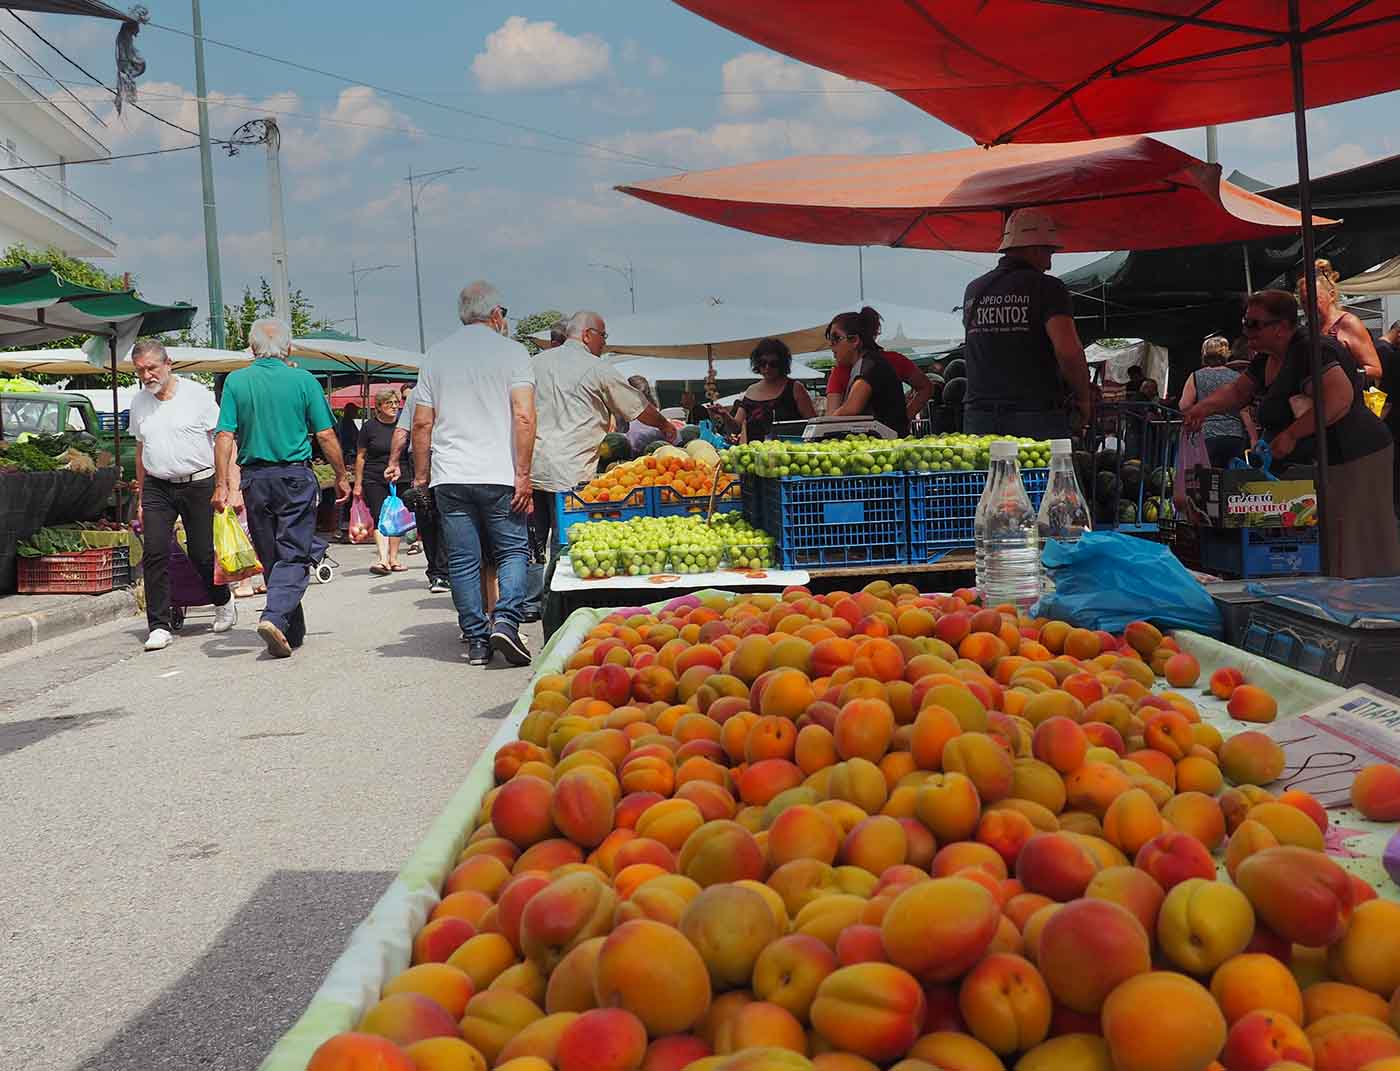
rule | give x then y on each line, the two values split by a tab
176	435
467	379
576	396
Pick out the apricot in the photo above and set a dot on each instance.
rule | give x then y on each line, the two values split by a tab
1161	1020
721	851
1203	923
1224	681
1068	1052
949	806
1198	815
492	1018
1173	857
1301	895
1130	888
1264	1038
1250	703
864	729
729	926
1005	1003
875	844
1249	838
1142	637
1346	1042
1088	948
1322	999
1368	954
983	761
938	929
1182	670
674	1053
1055	865
1376	792
353	1050
954	1049
447	1054
652	971
874	1010
1253	981
1288	824
790	969
1131	820
484	957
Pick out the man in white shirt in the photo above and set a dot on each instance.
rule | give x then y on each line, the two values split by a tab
173	421
473	439
576	396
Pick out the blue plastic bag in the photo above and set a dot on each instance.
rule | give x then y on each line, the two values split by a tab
1107	580
394	517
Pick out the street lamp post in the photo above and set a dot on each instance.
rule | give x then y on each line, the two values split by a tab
628	274
423	180
355	275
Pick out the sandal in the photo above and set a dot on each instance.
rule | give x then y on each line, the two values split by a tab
379	569
398	567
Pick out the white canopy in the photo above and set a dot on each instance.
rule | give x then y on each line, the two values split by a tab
355	355
911	327
680	369
73	362
1151	359
1382	279
713	329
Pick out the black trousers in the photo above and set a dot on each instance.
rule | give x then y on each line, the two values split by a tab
430	532
162	502
994	419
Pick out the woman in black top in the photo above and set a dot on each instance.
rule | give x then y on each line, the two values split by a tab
874	389
371	455
774	398
1361	532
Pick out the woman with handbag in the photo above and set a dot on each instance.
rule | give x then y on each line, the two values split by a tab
376	440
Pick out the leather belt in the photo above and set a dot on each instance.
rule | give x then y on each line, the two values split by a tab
202	474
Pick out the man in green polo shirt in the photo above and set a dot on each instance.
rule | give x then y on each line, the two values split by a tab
270	410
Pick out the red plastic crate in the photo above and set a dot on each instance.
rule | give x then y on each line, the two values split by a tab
86	572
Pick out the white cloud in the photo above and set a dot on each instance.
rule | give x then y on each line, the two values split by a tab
1343	157
538	55
754	80
740	142
635	55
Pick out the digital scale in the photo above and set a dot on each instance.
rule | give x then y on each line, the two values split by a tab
830	427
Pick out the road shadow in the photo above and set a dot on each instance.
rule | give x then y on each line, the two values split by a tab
437	641
17	735
252	984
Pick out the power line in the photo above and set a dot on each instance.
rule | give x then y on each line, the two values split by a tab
100	159
421	100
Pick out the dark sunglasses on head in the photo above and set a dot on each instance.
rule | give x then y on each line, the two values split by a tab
1250	324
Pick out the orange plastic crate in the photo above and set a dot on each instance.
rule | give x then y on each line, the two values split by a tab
86	572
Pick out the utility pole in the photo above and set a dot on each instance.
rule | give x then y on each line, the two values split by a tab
627	273
281	280
206	172
355	274
423	179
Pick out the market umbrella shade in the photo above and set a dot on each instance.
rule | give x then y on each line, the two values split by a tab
74	362
1115	193
714	329
1066	70
333	352
1382	279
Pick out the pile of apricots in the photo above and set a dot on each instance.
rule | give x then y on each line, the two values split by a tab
888	830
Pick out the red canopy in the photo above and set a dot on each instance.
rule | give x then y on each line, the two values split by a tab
357	393
1117	193
1030	70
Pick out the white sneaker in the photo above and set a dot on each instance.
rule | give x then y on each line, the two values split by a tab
158	640
225	616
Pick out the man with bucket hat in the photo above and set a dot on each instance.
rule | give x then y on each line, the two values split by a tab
1026	373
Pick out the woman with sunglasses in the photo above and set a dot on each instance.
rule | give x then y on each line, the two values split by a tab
774	398
875	389
1361	532
371	458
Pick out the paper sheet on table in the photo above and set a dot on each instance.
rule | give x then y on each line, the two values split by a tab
566	580
1329	744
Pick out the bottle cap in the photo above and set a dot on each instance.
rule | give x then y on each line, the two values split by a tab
1061	446
1002	449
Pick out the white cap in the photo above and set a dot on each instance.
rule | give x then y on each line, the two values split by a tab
1029	226
1061	446
1002	449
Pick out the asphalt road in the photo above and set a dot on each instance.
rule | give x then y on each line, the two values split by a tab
187	838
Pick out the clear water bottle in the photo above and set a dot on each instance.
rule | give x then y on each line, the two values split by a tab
1007	535
1064	514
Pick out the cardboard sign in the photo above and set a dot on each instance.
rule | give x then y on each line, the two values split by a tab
1237	498
1325	747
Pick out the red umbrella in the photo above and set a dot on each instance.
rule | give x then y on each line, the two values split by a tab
1061	70
1117	193
360	394
1051	70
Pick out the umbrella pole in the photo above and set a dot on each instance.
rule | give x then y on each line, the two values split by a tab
116	423
1300	128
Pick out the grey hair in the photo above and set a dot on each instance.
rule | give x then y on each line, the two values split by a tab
477	302
270	338
582	320
641	384
150	347
558	332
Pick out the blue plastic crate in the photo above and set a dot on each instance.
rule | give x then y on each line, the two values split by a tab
104	420
1252	552
943	508
570	510
671	503
751	490
836	520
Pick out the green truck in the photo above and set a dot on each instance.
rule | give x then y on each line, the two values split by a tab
51	412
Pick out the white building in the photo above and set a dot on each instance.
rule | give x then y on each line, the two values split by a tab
39	207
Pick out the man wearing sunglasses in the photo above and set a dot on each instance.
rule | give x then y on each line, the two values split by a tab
1026	371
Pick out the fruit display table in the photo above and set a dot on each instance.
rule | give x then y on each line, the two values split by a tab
382	945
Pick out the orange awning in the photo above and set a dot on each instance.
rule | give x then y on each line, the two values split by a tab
1117	193
1066	70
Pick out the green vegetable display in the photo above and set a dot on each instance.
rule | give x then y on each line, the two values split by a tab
863	455
51	541
27	457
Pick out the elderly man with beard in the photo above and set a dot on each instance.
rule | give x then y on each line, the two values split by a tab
173	420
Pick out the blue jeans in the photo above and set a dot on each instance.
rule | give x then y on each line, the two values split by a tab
477	517
281	503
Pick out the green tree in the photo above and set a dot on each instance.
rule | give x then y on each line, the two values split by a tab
532	324
238	319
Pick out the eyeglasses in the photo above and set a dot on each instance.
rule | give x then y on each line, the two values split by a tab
836	337
601	334
1258	325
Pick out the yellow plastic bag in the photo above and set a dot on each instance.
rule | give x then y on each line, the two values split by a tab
1375	399
233	550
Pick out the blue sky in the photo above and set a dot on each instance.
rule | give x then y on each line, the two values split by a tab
637	77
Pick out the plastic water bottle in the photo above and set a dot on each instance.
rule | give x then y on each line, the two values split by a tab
1007	535
1064	514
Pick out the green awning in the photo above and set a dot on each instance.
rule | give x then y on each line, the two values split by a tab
39	305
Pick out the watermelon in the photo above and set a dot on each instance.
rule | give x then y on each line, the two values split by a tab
614	447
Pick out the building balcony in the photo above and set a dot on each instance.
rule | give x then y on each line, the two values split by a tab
43	211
